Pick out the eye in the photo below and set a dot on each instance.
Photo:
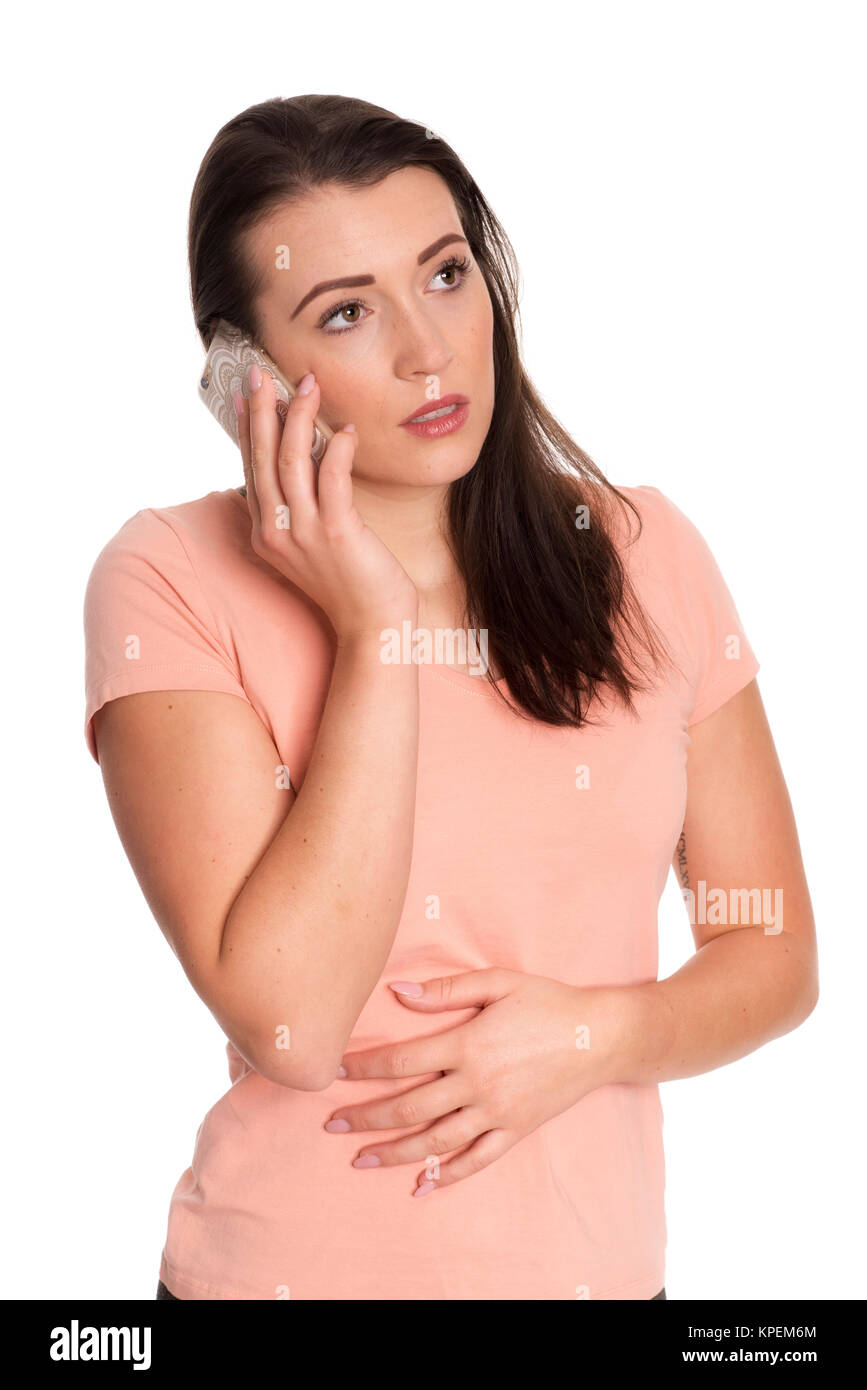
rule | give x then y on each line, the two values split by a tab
460	264
340	309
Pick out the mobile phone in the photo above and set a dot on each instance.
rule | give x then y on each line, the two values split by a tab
227	364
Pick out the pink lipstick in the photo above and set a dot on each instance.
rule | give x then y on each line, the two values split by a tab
438	418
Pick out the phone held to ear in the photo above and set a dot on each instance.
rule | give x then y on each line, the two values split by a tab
226	368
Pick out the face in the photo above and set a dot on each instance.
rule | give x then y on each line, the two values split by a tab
381	350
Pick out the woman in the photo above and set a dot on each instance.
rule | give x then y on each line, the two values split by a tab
421	901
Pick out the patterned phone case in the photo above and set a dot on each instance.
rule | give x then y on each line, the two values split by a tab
225	371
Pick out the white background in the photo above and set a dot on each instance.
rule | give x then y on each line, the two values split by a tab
684	187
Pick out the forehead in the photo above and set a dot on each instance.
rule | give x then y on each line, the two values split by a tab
335	230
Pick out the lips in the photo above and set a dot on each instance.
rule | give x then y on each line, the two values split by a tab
429	406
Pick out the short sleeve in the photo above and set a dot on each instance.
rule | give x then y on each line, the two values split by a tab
721	658
147	622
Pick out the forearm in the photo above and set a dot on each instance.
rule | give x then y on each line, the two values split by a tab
309	934
735	994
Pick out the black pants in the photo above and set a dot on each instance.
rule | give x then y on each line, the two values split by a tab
162	1292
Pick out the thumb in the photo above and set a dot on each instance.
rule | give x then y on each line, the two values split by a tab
473	989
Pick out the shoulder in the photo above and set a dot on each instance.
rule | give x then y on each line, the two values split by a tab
637	519
208	518
164	534
663	551
657	528
653	507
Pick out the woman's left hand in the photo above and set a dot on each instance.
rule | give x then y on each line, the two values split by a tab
534	1049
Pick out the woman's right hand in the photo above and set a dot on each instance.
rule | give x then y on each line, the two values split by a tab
327	549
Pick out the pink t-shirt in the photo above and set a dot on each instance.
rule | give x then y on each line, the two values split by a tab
532	870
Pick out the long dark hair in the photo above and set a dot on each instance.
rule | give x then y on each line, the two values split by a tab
562	617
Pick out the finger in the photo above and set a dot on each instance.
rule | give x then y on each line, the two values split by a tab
444	1136
472	989
486	1150
295	466
416	1057
242	412
334	484
416	1106
264	444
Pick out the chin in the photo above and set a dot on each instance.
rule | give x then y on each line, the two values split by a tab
442	470
429	467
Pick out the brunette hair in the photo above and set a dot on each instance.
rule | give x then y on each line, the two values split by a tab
563	620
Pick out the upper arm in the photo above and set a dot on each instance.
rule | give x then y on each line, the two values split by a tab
195	783
738	857
739	830
196	791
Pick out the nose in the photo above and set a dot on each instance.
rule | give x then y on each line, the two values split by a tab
421	349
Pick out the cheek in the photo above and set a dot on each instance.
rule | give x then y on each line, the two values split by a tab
481	330
351	387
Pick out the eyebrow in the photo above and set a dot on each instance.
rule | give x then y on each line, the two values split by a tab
349	280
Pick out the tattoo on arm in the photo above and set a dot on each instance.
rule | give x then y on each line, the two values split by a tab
680	861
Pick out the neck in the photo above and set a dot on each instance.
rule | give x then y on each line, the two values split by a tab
412	523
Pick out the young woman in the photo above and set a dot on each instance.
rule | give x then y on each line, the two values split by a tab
417	884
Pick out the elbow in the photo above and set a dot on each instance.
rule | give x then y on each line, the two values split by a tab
806	1000
301	1058
293	1069
307	1079
811	999
802	986
811	985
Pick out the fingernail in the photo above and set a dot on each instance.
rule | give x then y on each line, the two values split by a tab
238	402
401	987
425	1187
305	385
255	377
366	1161
349	429
341	1071
338	1126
